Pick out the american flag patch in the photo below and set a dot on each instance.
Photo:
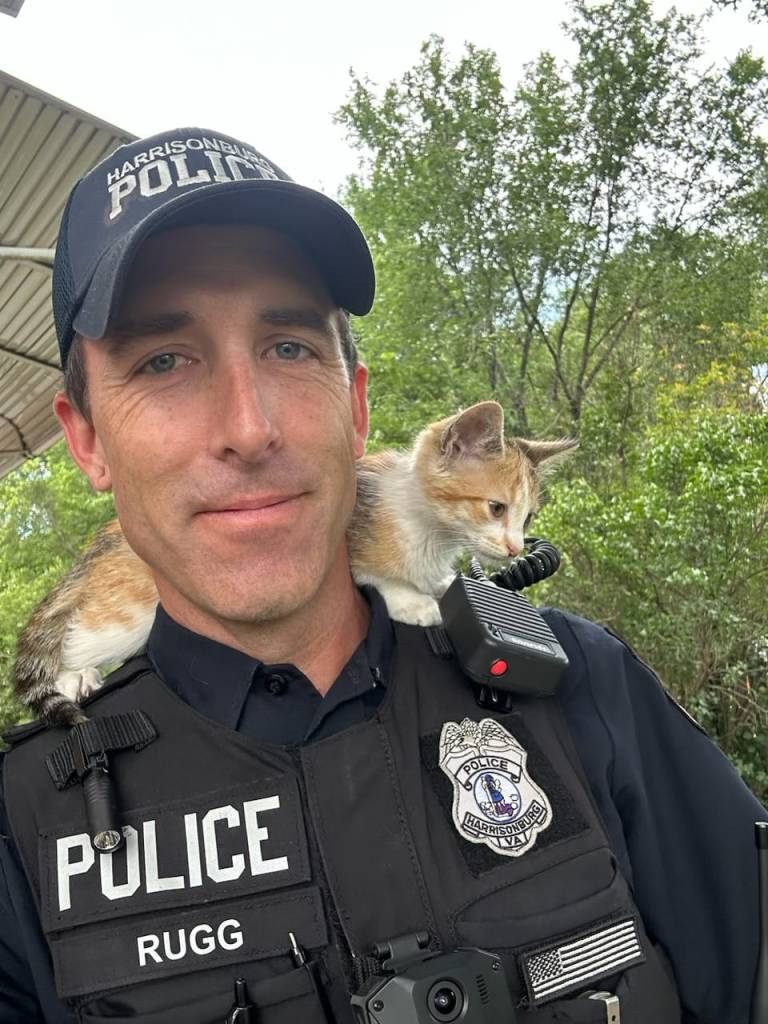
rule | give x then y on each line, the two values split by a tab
554	971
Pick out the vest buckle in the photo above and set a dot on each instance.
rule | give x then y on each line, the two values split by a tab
82	757
403	951
612	1005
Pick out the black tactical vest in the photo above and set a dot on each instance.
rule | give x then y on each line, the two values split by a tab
436	815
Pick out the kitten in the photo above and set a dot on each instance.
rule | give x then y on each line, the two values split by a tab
461	488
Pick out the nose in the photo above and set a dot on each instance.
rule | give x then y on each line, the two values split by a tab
515	546
242	419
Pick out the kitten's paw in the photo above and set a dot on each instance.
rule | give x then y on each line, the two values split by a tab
416	609
77	684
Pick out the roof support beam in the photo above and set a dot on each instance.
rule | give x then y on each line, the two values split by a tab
23	448
42	257
30	358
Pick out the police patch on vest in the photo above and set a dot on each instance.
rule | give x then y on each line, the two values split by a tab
214	846
495	801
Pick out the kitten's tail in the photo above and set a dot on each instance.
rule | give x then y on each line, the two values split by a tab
39	656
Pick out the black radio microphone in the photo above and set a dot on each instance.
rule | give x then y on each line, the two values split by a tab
499	638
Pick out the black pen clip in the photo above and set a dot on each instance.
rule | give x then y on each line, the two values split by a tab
297	953
243	1010
312	967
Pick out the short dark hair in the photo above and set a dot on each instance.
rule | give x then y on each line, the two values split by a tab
348	342
76	381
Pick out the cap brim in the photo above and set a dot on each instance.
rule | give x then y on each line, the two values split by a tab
325	231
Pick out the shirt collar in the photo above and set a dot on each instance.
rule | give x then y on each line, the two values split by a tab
216	679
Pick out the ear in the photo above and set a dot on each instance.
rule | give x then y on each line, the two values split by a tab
358	390
546	455
475	433
83	442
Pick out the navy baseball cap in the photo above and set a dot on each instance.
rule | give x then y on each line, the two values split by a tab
190	176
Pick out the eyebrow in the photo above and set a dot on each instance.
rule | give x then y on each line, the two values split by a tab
166	323
134	330
296	316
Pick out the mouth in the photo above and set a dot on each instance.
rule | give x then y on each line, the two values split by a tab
250	504
248	512
496	555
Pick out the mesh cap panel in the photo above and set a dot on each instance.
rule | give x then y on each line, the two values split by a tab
63	294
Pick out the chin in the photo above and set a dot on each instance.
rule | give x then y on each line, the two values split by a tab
259	604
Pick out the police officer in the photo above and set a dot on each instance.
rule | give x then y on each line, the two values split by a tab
292	769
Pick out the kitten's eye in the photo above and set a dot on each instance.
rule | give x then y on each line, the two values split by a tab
498	508
162	363
528	521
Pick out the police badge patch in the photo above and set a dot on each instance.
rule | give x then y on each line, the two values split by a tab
495	801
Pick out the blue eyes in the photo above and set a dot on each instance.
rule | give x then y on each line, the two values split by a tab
163	363
289	350
166	362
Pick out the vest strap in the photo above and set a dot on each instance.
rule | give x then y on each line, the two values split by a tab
493	698
439	642
363	968
68	762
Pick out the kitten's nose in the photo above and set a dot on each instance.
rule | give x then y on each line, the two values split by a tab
515	546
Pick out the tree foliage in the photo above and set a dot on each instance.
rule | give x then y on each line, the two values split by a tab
519	239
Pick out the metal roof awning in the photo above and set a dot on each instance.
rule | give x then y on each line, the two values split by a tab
46	145
11	7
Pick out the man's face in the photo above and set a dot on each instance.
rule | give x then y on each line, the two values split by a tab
224	420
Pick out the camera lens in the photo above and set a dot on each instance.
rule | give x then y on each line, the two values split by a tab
445	1001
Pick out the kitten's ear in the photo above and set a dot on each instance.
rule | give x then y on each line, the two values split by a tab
475	433
546	455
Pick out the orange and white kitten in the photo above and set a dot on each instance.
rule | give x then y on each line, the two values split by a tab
461	488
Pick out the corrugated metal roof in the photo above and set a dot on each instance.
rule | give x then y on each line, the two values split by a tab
11	7
45	146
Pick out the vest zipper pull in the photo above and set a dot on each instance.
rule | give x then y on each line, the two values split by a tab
612	1005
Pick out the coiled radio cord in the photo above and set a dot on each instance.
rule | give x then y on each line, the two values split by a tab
542	560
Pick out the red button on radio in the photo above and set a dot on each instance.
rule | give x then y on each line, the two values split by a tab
499	667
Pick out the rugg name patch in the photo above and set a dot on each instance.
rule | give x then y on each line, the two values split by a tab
495	801
110	955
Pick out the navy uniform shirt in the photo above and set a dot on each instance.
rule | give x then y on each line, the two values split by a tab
272	703
678	817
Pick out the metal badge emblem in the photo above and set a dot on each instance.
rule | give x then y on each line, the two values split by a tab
495	801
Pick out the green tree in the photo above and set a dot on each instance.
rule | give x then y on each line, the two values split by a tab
520	241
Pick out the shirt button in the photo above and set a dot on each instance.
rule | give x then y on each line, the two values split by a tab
275	684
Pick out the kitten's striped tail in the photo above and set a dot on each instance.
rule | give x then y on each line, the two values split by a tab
39	661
